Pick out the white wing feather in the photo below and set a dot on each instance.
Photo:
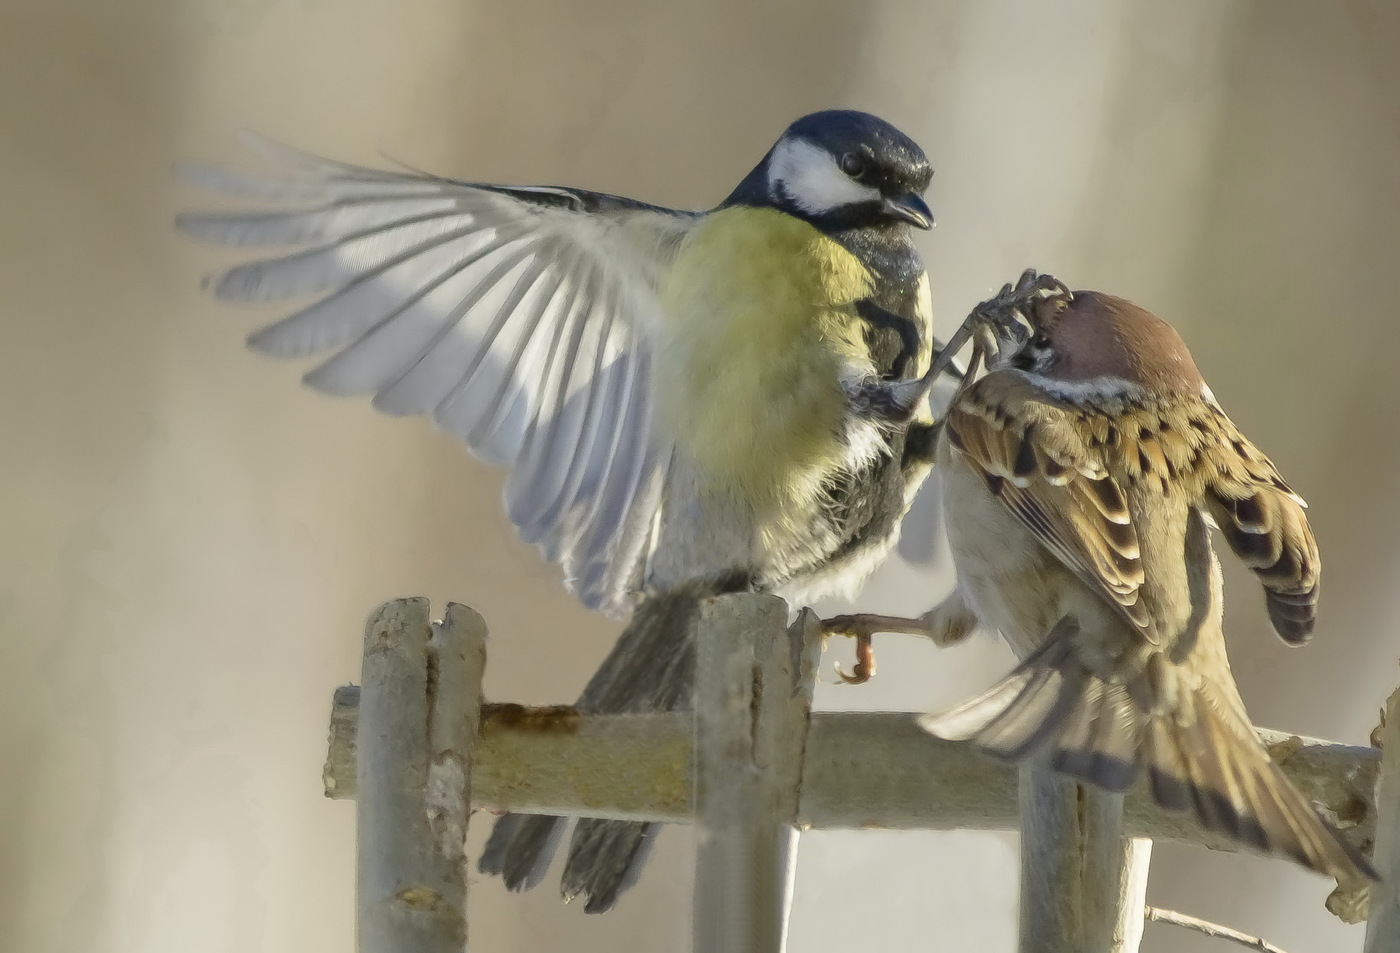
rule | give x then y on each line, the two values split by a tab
520	321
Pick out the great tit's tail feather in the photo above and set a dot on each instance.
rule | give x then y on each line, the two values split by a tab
520	848
605	860
651	668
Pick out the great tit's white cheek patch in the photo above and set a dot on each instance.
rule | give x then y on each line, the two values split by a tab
808	176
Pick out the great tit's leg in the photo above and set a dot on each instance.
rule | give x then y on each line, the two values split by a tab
996	327
946	623
1009	315
884	323
1002	323
896	402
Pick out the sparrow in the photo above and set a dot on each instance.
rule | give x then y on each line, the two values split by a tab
1081	478
689	403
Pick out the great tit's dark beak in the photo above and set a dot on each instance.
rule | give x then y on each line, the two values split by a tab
910	208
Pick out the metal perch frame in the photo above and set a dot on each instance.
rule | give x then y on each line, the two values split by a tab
419	751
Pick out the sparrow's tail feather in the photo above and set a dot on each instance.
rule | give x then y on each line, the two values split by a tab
651	668
1201	756
1208	762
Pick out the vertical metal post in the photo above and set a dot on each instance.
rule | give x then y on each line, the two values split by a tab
754	684
1074	866
1383	923
1132	895
420	703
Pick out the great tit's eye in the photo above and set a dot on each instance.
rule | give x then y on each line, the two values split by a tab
1040	340
853	165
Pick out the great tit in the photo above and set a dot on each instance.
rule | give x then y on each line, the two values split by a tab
690	403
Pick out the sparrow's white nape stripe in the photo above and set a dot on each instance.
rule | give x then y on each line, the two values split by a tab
1095	388
808	176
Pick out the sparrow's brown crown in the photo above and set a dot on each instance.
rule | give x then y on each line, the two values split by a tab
1099	335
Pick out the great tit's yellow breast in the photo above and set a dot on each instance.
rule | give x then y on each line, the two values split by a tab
762	326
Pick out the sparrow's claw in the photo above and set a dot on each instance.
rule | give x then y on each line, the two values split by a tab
861	627
865	663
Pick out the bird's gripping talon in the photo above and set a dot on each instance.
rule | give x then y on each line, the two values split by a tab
864	669
1005	321
862	626
1001	324
1031	289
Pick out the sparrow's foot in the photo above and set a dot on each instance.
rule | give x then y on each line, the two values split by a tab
946	623
864	669
862	627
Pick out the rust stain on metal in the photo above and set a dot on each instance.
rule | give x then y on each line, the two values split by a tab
561	719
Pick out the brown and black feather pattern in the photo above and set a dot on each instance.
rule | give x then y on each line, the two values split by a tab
1080	481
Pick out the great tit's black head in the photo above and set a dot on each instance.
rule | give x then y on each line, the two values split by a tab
840	168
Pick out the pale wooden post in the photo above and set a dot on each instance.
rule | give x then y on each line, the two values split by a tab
1383	924
753	697
1072	863
787	672
1132	895
418	715
418	749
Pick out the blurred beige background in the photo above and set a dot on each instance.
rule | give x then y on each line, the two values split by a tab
192	543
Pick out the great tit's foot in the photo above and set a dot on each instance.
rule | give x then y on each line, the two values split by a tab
1012	315
998	326
1032	286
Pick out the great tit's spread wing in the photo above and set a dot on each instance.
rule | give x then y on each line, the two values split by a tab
521	320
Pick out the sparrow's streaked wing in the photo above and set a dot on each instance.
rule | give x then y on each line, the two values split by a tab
1067	480
1055	483
521	320
1264	522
